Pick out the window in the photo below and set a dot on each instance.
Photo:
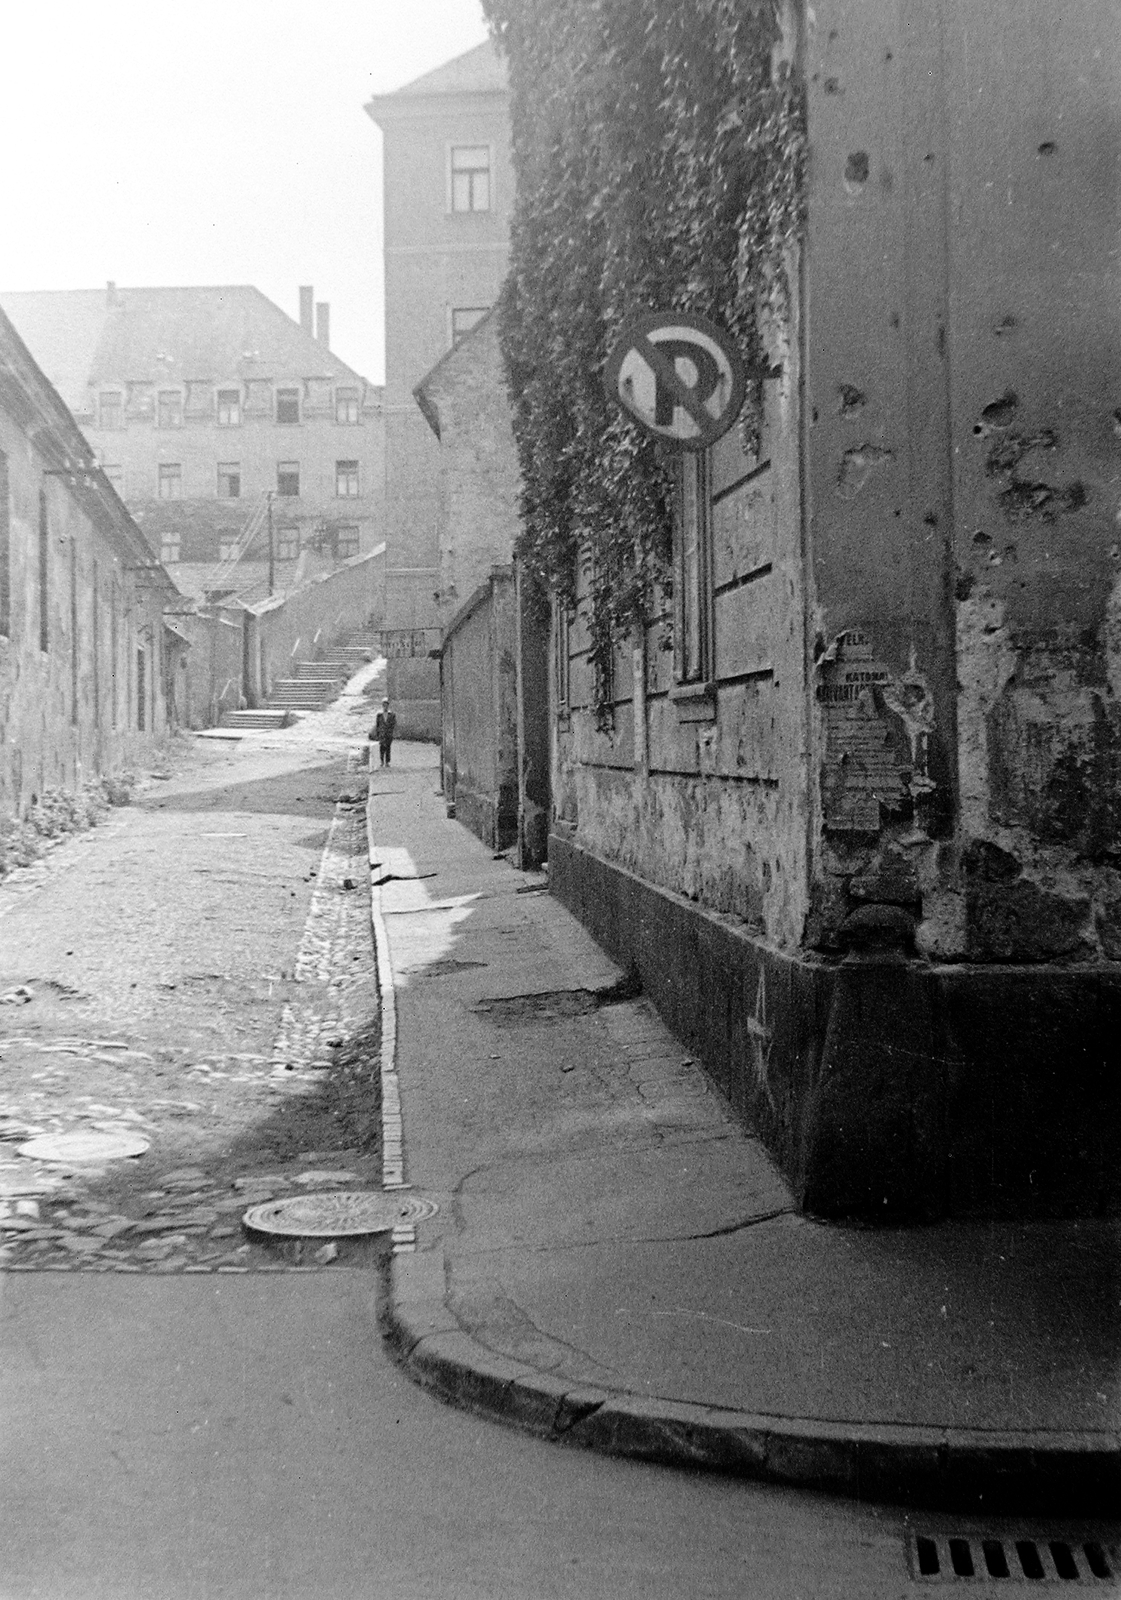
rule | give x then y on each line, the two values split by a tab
44	573
346	480
229	408
114	473
228	547
464	319
169	547
169	408
110	409
287	543
5	550
288	405
346	405
288	477
470	177
562	623
346	542
170	483
229	480
141	687
693	566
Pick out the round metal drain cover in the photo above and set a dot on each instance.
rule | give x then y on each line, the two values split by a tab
332	1216
67	1147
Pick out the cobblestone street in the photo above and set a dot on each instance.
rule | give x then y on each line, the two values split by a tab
195	979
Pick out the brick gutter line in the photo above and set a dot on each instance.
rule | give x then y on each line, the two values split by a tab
392	1128
1021	1471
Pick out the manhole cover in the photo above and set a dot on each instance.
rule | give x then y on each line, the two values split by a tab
330	1216
67	1147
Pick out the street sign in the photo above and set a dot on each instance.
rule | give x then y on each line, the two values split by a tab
677	375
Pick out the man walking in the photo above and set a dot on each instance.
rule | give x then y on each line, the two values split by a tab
385	725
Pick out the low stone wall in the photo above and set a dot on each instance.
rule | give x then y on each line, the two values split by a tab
886	1088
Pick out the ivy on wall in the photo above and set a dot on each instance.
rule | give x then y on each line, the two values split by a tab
659	159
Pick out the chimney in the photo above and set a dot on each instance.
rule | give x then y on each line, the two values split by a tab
111	296
307	294
323	324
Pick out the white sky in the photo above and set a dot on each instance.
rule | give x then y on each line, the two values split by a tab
172	142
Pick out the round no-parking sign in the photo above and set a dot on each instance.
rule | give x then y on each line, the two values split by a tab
677	375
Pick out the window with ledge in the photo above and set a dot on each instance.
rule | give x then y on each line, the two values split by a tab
229	408
170	547
169	408
693	570
229	480
228	547
287	544
169	484
287	406
469	177
346	406
562	663
346	543
346	480
5	550
288	478
110	409
464	318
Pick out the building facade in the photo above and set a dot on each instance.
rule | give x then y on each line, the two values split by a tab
494	641
247	452
448	197
858	829
89	671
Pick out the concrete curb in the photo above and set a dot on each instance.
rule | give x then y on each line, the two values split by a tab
1079	1473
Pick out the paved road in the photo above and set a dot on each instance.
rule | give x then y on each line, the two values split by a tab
199	1429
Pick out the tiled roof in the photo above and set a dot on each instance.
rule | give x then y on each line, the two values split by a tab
475	72
81	337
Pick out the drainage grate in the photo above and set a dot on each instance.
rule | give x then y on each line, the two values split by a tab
936	1558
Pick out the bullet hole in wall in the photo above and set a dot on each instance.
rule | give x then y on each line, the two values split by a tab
857	168
931	519
850	400
981	539
831	86
999	413
1047	148
1004	327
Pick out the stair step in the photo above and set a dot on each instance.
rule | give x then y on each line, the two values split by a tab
262	717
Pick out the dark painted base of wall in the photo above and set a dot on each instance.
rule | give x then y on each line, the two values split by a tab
887	1089
492	822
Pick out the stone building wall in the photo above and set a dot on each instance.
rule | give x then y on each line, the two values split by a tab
872	870
86	663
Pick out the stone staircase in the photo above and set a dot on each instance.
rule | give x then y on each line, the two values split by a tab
313	685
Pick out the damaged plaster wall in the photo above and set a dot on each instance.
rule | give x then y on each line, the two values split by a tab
965	484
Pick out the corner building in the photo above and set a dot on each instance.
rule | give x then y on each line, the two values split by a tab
449	192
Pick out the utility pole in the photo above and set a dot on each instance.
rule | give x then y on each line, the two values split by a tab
272	560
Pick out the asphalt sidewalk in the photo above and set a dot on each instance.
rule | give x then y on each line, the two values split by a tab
615	1262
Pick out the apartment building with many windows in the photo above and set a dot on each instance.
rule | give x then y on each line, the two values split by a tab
226	426
449	192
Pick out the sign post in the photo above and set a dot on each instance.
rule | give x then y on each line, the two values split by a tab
679	376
